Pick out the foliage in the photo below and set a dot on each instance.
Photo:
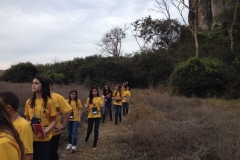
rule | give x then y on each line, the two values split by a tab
56	77
201	77
21	72
161	33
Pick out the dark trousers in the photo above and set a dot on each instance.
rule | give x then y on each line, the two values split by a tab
41	150
107	106
91	121
54	147
125	107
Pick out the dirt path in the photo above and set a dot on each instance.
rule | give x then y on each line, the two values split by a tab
107	146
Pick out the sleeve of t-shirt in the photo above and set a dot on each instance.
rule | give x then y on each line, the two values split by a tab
79	104
64	106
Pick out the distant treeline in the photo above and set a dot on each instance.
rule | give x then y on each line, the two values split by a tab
215	73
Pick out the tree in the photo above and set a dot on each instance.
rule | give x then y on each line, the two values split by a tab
161	33
21	72
180	5
111	43
230	18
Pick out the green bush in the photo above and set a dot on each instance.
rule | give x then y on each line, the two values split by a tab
201	77
21	72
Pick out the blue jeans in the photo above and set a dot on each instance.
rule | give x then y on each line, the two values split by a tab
41	150
96	127
117	110
72	128
125	107
109	107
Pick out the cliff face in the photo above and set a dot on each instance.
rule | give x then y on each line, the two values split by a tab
207	12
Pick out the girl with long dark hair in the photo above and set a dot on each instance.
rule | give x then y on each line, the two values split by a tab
75	118
93	107
40	110
107	96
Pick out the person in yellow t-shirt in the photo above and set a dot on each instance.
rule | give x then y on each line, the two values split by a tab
62	107
11	146
75	119
40	110
117	97
94	106
125	100
23	127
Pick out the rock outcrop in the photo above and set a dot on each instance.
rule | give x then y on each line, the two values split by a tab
207	13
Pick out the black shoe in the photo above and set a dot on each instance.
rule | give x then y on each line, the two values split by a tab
116	123
94	146
111	119
120	119
102	121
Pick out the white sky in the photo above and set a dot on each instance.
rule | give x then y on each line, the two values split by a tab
47	30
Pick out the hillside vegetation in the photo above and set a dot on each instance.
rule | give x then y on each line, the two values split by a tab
158	126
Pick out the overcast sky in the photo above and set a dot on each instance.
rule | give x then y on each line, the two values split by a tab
48	30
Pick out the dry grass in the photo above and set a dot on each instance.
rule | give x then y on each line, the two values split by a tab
158	126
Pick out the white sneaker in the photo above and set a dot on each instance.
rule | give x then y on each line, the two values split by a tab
74	149
69	146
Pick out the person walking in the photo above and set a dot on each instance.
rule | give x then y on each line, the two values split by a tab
117	97
125	100
107	96
62	107
94	106
75	119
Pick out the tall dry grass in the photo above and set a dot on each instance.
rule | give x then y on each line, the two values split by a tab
160	126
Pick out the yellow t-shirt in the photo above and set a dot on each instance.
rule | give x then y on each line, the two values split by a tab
75	109
96	102
115	102
61	106
43	113
9	148
127	95
25	133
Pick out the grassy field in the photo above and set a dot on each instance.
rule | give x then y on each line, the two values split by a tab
158	126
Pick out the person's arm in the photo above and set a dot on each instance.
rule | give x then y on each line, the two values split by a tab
50	126
65	121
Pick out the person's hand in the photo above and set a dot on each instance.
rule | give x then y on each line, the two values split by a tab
40	136
58	127
79	121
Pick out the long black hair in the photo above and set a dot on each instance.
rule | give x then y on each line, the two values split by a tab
45	91
76	98
91	95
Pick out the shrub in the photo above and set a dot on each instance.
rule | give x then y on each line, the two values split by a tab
201	77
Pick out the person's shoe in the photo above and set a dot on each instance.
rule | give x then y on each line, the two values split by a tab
102	121
120	119
94	146
74	149
69	146
86	139
116	123
110	119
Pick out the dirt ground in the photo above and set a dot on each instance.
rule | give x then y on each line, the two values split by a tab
107	147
